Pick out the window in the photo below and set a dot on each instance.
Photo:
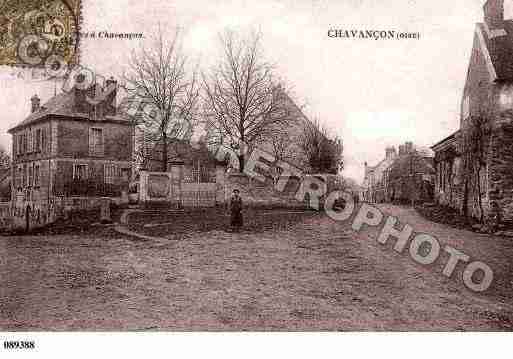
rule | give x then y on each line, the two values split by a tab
19	148
37	175
30	140
30	175
33	135
43	140
96	142
79	172
110	173
20	144
19	177
457	171
25	175
39	136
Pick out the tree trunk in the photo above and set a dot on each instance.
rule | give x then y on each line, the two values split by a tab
164	153
241	163
465	198
479	199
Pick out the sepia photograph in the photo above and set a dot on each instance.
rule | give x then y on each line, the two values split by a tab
276	171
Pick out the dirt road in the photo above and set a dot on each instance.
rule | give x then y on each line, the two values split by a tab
314	275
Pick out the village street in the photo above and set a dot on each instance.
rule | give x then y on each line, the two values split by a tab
314	274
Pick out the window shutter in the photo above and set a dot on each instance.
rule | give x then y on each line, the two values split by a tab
91	141
43	140
30	144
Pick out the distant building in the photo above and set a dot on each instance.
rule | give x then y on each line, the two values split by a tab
410	178
448	180
375	180
198	163
400	177
474	165
69	148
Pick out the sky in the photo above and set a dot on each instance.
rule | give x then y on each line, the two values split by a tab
372	93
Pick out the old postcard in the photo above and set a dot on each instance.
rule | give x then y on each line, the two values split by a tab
270	166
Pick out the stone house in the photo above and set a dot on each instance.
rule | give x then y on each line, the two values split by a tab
477	160
448	178
68	152
410	178
375	180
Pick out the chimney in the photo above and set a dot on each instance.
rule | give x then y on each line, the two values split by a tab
408	147
390	152
36	103
84	88
494	13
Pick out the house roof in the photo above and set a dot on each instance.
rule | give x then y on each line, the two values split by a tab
445	141
499	44
402	164
62	104
183	151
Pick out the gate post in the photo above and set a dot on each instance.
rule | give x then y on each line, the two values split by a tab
220	184
176	169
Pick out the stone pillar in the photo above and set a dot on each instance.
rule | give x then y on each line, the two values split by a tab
124	197
105	211
143	186
220	184
176	176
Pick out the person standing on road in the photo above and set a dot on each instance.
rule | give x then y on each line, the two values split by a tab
236	211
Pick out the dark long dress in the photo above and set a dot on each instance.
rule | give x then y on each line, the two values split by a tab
236	212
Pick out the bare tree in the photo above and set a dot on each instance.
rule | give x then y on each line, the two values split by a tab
165	94
323	151
243	102
281	147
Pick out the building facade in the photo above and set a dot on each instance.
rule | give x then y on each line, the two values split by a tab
375	181
401	176
477	161
410	179
75	146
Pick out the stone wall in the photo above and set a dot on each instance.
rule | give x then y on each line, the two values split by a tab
170	187
262	193
501	169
